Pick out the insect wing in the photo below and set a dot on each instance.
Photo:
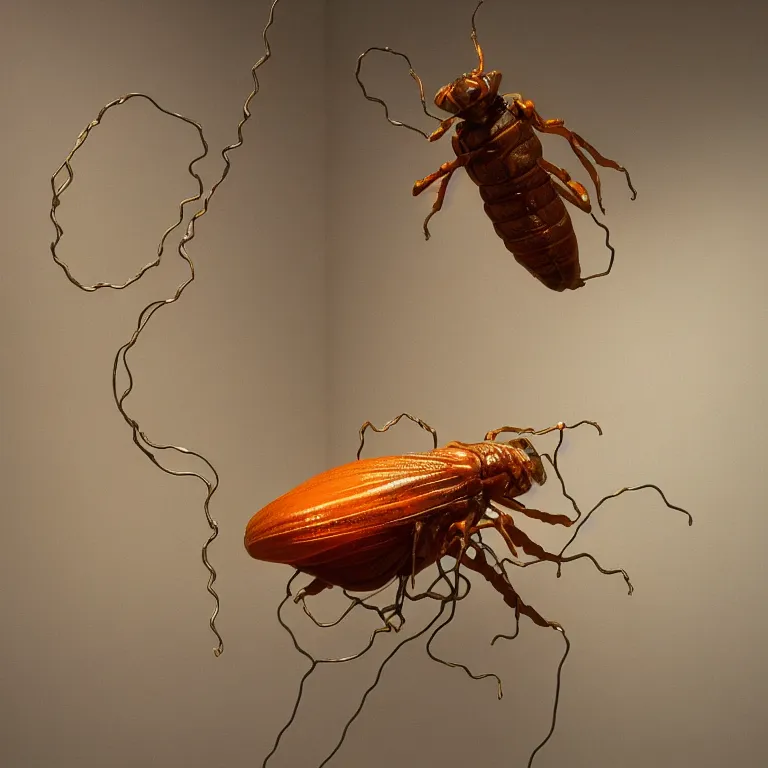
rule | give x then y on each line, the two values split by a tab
361	505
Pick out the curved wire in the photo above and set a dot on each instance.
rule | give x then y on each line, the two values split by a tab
412	73
314	663
391	423
449	599
608	246
459	665
558	686
140	438
626	489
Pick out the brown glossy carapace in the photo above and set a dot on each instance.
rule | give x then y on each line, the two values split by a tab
497	144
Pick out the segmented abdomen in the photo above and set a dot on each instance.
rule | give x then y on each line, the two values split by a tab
522	201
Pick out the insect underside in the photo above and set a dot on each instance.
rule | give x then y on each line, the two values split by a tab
522	192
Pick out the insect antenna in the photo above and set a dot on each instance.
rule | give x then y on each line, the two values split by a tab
478	49
629	489
120	366
554	459
412	73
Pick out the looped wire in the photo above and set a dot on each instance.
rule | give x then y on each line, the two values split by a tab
412	73
140	438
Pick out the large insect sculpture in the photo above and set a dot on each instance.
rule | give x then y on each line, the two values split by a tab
378	521
496	142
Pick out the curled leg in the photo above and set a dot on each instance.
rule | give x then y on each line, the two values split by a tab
446	169
438	204
444	172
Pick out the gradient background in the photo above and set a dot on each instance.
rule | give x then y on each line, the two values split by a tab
319	305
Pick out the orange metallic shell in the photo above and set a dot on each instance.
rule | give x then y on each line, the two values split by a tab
521	199
353	526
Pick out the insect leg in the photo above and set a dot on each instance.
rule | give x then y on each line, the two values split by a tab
535	514
557	126
446	169
391	423
501	584
580	200
513	535
574	192
438	203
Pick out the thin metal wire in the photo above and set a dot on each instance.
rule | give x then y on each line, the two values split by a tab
627	489
314	663
450	599
558	686
459	665
355	601
412	73
608	246
391	423
120	364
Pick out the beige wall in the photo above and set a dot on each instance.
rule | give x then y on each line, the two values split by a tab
319	305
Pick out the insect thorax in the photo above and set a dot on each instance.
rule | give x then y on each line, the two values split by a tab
515	460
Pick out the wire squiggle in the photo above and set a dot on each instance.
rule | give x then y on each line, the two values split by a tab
140	438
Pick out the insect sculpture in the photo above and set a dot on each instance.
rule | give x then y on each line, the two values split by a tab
496	142
374	522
